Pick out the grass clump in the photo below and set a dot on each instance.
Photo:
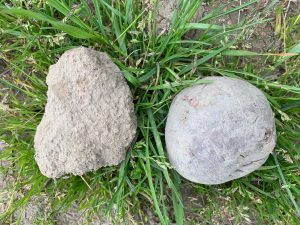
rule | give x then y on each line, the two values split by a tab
35	33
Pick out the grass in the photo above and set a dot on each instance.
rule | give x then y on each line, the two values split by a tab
35	33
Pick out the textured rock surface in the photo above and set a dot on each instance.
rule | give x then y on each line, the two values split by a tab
89	119
219	131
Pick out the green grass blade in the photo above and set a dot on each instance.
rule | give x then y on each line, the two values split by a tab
292	198
147	169
99	17
239	53
71	30
202	26
162	154
66	11
204	59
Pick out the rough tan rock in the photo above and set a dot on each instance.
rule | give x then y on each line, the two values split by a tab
89	119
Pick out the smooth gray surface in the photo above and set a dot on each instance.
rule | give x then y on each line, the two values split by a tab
220	131
89	120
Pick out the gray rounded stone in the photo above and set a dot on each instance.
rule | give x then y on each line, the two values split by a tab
219	131
89	119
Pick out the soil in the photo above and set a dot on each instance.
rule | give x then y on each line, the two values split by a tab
2	66
260	38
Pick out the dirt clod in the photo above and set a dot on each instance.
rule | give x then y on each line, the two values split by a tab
89	119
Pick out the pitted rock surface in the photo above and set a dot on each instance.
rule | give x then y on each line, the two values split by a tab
219	131
89	119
